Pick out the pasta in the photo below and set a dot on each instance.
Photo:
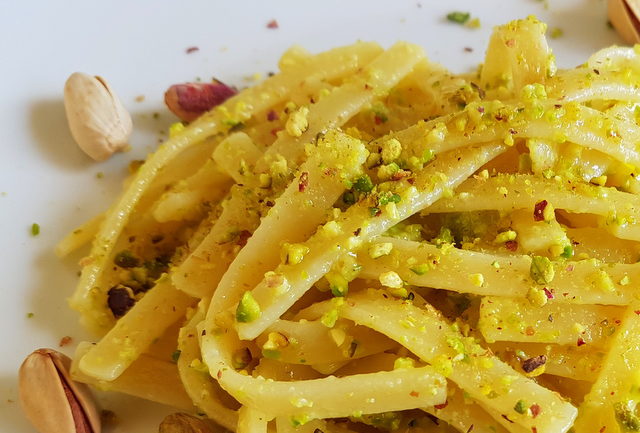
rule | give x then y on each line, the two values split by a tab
367	241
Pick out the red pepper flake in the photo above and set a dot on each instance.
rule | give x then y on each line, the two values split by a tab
510	43
511	245
273	24
580	342
272	115
442	406
534	429
192	50
275	131
219	375
530	331
481	109
603	429
470	429
535	410
570	268
64	341
529	365
303	183
414	394
637	312
548	293
538	210
378	120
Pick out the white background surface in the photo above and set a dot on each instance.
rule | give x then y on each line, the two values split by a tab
139	47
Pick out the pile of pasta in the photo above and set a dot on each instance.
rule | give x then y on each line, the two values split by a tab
365	241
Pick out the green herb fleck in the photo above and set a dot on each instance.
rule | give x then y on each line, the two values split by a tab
374	211
248	309
35	229
458	17
99	175
541	270
30	315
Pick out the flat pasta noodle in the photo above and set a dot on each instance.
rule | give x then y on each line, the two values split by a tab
294	280
365	241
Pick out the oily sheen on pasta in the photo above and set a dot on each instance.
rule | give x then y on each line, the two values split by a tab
365	241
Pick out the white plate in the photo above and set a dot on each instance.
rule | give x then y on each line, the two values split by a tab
139	47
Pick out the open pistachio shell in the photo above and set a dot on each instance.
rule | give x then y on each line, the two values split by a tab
623	14
51	400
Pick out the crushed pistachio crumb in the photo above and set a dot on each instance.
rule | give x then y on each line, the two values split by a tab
35	229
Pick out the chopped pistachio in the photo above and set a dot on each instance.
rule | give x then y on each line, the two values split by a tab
329	318
297	122
403	363
505	236
175	355
363	184
380	249
338	283
385	172
391	150
293	254
477	279
391	279
444	237
35	229
248	309
541	270
458	17
627	417
420	269
176	128
521	407
537	297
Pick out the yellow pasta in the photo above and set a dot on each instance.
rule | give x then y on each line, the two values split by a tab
374	243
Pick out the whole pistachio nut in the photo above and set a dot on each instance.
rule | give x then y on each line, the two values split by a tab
51	400
97	119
